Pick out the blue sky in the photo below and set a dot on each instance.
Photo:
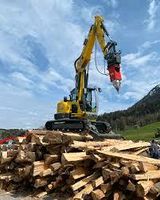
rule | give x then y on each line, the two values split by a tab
40	40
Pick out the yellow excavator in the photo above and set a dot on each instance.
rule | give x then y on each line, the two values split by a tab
79	111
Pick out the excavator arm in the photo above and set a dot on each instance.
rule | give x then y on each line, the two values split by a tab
98	33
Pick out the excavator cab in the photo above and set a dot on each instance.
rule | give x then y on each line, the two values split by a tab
90	102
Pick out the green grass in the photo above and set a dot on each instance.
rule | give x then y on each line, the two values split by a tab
145	133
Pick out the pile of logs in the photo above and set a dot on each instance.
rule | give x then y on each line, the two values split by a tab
72	163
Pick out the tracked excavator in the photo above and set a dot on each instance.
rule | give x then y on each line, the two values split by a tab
79	111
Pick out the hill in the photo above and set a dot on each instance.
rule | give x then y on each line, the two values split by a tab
144	112
146	133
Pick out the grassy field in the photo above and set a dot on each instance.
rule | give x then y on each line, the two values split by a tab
143	133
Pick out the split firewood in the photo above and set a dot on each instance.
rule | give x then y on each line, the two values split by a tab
25	156
135	167
74	157
155	174
143	187
55	166
129	157
87	190
155	189
97	182
106	187
131	186
97	194
69	162
77	173
41	195
84	181
118	196
145	167
49	159
7	156
40	182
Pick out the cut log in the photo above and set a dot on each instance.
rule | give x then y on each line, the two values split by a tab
129	157
54	184
25	156
6	176
124	171
38	167
131	186
40	195
123	147
145	167
74	157
140	151
4	157
55	166
33	138
84	181
49	159
96	158
106	187
115	165
87	190
146	176
79	172
135	167
97	182
54	149
110	174
78	137
118	196
143	187
106	173
24	171
46	172
97	194
53	138
155	189
40	182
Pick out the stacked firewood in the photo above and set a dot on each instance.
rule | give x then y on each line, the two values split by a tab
72	163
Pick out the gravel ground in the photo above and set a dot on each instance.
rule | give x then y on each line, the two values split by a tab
25	196
9	196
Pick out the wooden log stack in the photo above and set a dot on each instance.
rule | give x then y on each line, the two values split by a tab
73	163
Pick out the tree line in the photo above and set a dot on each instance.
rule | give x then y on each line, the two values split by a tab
142	113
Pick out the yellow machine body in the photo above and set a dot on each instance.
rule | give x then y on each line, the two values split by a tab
65	107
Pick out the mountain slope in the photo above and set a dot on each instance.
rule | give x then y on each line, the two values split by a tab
145	111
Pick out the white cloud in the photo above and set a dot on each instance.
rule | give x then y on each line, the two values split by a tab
149	44
111	3
137	60
141	71
51	25
21	80
154	6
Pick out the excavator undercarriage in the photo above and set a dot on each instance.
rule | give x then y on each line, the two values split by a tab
97	129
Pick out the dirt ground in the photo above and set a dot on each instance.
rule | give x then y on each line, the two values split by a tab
26	196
